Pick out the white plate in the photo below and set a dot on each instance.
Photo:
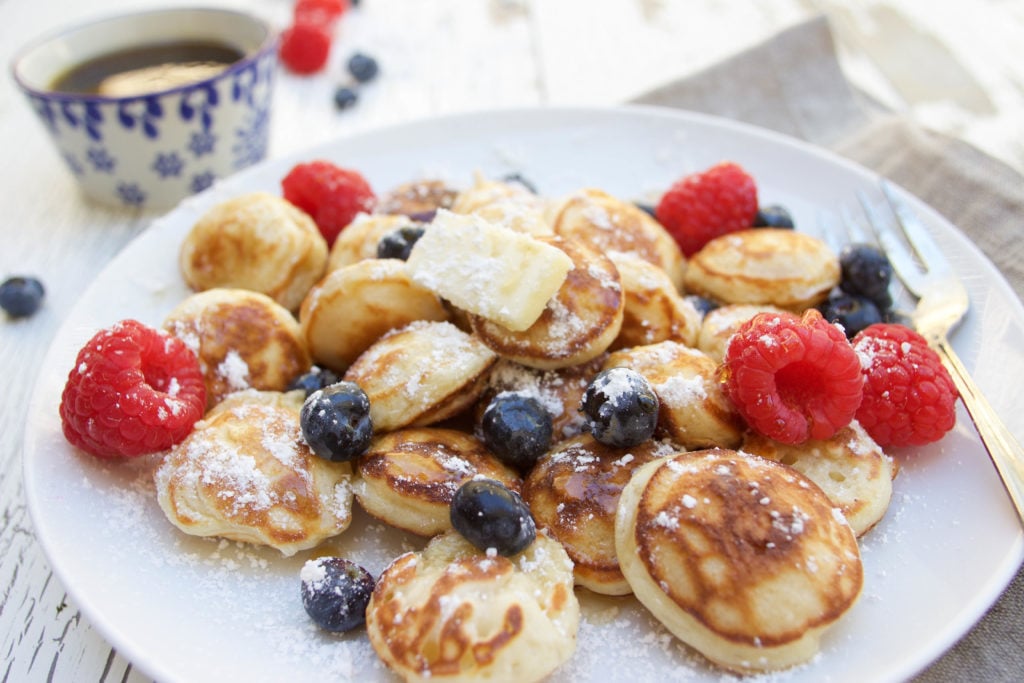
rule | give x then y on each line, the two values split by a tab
184	609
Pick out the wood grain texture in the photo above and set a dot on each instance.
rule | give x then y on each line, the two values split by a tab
437	57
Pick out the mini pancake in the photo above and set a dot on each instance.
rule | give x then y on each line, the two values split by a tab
779	267
573	493
744	559
694	410
654	309
246	474
357	304
612	225
417	198
420	374
243	340
721	323
850	468
453	613
257	241
407	477
359	240
578	324
508	204
559	391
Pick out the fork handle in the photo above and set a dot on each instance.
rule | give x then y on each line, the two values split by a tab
1004	450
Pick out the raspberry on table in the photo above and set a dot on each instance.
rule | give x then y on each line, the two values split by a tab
305	46
133	390
702	206
331	195
909	396
323	12
793	378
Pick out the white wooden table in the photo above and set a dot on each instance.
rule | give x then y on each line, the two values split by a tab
437	56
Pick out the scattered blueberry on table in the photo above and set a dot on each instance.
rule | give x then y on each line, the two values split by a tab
21	296
345	97
363	67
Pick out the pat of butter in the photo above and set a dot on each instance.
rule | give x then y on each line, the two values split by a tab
502	275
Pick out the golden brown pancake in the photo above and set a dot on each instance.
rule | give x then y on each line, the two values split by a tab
654	310
407	477
245	473
357	304
420	374
453	613
508	204
694	410
850	468
243	340
559	391
359	240
783	268
580	321
612	225
720	324
573	492
257	241
744	559
417	198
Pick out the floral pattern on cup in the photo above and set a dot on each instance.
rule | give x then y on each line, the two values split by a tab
151	150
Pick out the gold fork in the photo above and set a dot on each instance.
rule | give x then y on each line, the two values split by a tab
942	303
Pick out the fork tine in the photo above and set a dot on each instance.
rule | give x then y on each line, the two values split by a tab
901	258
832	231
917	235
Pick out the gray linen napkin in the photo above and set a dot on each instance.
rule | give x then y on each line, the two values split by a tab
793	83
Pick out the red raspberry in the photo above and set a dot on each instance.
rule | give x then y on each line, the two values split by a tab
305	46
702	206
909	397
330	194
322	12
793	378
133	390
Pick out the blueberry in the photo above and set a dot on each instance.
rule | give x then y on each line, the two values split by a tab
336	421
423	216
489	515
21	296
621	408
517	429
362	67
316	378
773	216
703	305
520	179
345	97
866	271
649	209
335	592
853	312
399	243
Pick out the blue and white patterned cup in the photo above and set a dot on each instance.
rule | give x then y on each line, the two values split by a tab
150	150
